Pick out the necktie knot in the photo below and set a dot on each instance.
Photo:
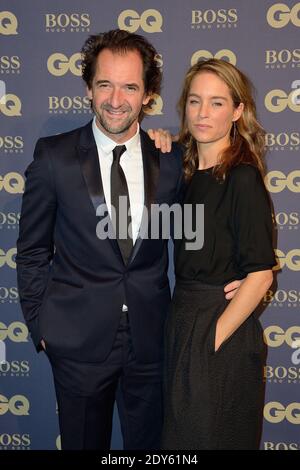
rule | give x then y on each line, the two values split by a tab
118	151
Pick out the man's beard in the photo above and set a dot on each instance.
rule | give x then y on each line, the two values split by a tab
123	127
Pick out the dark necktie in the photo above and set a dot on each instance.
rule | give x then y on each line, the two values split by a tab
119	188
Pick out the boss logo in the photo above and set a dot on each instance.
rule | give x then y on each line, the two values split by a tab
65	104
14	367
15	440
283	141
10	64
221	18
9	294
282	296
287	219
282	57
71	22
10	143
280	446
281	373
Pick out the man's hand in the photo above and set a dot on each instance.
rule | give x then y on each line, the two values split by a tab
162	139
43	345
231	289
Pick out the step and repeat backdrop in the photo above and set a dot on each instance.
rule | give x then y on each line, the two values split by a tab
41	93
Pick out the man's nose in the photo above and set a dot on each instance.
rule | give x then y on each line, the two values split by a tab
116	99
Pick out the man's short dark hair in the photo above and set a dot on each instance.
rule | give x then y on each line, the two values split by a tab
120	41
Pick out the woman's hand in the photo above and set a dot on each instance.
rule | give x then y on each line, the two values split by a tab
162	139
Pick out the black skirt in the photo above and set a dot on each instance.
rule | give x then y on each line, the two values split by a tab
212	400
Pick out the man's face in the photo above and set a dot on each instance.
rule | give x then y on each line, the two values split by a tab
118	93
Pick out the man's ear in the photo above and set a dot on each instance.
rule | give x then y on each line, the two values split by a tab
146	99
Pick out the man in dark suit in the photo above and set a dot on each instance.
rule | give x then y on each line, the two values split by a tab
95	305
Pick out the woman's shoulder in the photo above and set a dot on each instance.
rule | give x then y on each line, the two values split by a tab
245	174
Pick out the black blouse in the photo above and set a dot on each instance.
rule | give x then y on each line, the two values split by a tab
237	227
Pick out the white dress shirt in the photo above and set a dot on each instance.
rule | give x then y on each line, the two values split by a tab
131	162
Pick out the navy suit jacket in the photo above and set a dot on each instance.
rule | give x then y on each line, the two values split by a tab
72	284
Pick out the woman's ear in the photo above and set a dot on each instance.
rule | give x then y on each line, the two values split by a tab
238	112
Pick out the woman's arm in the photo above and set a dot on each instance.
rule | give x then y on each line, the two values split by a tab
243	304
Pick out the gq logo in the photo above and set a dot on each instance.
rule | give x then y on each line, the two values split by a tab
150	21
276	181
275	412
18	405
276	101
12	183
58	442
279	15
8	23
10	105
224	54
8	258
17	332
291	260
275	336
156	106
58	64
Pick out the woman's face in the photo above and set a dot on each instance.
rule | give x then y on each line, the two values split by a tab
210	111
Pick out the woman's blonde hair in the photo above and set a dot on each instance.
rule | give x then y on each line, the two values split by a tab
247	137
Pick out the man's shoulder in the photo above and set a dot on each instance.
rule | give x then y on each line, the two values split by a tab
65	139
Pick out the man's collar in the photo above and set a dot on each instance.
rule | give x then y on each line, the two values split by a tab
107	144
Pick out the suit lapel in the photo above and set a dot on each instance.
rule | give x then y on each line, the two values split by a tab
151	168
90	167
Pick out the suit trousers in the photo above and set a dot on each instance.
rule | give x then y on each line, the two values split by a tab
86	393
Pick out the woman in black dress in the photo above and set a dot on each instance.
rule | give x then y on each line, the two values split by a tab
214	348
